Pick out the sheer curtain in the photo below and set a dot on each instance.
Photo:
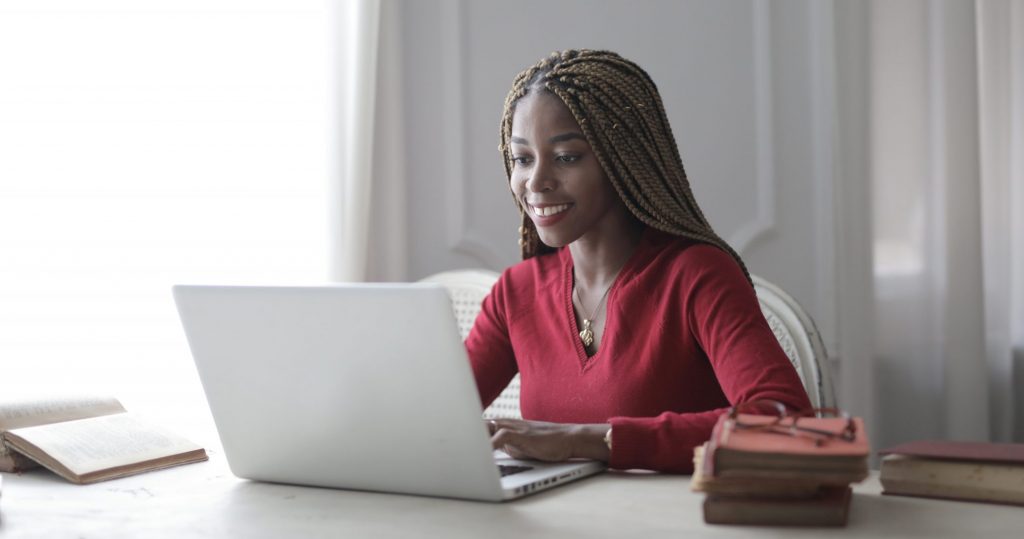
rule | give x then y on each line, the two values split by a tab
144	144
1001	74
367	226
355	29
946	137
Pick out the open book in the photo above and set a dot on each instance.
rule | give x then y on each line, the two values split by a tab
86	440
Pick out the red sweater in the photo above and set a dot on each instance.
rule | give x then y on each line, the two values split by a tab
684	337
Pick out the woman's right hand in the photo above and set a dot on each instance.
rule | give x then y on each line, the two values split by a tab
551	442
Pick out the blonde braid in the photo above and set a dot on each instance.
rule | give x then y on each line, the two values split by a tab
621	114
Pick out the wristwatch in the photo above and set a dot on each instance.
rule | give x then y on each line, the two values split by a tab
608	439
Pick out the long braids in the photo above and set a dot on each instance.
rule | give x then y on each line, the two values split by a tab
620	112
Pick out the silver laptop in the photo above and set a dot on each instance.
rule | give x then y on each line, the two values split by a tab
361	386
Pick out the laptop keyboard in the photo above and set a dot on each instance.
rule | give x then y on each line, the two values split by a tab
507	469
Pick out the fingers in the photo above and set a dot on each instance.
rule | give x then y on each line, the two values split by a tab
521	442
494	425
509	441
518	425
523	439
502	433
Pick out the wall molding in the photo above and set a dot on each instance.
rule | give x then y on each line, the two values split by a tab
824	117
763	221
854	289
460	238
459	234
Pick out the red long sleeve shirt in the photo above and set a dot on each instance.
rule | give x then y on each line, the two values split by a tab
684	339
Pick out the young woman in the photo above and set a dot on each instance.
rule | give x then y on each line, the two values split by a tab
632	324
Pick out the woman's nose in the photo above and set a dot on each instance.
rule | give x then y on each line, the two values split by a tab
541	178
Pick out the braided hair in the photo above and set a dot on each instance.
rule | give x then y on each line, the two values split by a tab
620	112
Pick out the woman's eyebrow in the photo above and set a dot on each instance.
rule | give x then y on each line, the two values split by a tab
566	136
557	138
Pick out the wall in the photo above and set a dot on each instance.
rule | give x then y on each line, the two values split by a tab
750	90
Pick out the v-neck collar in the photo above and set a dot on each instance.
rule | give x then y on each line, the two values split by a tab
611	321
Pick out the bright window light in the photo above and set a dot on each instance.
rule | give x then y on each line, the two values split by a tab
144	144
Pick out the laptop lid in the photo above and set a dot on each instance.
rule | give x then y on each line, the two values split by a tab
359	386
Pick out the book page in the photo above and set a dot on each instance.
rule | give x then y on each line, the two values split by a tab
99	443
17	413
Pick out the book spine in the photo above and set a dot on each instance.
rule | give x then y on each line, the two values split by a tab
718	433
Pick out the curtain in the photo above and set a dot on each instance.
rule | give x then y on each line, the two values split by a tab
354	31
367	201
1001	83
140	148
946	136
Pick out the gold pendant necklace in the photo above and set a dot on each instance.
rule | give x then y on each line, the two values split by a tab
587	334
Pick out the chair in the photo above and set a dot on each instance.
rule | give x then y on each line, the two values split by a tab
791	325
467	289
799	339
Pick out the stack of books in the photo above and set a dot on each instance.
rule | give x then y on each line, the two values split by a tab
780	470
973	471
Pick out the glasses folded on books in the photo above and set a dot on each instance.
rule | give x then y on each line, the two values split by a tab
776	419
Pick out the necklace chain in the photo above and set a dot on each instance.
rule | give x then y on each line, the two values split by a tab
587	333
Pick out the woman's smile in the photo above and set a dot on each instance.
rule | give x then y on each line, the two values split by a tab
548	214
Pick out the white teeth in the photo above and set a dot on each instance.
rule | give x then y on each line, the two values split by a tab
550	210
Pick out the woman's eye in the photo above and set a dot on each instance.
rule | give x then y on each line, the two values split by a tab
568	158
520	160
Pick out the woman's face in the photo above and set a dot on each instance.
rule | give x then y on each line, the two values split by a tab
555	174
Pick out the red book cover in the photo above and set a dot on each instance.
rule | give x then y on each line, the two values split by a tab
969	451
726	435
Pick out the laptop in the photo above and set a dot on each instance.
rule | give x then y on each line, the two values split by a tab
353	386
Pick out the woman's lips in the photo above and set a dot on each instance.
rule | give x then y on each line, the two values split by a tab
549	214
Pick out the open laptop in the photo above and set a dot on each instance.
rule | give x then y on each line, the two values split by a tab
356	386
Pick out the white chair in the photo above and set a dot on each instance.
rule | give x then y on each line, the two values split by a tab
799	339
794	329
467	289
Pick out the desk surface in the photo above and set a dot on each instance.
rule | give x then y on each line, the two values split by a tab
205	500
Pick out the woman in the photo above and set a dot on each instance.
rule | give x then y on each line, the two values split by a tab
632	324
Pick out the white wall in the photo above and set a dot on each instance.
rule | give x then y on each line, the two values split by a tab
736	78
748	86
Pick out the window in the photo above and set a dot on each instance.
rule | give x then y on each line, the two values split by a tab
144	144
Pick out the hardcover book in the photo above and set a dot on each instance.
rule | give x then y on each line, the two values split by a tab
779	471
85	440
783	454
971	471
830	507
748	486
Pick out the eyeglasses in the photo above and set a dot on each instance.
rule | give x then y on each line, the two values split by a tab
789	423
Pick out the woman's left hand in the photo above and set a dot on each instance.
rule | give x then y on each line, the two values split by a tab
552	442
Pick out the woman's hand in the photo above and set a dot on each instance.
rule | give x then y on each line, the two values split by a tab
552	442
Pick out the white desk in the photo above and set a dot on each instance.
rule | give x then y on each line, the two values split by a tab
205	500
